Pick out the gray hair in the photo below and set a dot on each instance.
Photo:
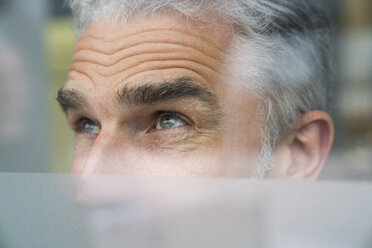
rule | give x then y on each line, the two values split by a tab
282	48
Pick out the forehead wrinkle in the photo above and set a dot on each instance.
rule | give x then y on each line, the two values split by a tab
123	77
141	60
130	52
109	72
79	71
143	31
193	40
156	35
161	65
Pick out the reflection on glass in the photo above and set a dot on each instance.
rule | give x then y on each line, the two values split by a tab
116	211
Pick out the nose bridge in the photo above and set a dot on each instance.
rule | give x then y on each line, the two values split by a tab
101	154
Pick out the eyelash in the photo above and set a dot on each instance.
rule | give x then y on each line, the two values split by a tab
78	125
158	114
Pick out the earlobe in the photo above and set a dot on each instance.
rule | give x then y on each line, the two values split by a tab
310	146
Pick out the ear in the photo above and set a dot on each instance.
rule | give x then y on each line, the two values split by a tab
302	156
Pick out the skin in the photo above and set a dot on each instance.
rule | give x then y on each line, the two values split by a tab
215	127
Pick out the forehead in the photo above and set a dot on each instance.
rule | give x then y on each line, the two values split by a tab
214	32
153	48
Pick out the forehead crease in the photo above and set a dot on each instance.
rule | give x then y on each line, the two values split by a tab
159	60
153	65
171	36
78	72
150	50
124	76
145	50
155	48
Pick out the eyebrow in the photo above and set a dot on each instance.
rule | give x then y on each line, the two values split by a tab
147	94
176	89
70	99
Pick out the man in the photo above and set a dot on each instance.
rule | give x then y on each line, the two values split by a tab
200	88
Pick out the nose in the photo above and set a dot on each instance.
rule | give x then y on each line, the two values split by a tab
102	157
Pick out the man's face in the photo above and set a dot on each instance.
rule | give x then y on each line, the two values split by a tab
151	97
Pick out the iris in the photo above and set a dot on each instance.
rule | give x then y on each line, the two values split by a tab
90	128
170	120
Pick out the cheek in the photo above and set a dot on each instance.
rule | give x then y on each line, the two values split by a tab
201	163
243	133
78	164
195	163
83	146
213	162
242	122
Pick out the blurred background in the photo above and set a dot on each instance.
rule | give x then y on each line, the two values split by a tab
36	44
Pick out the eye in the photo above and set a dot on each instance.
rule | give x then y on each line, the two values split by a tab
169	121
89	127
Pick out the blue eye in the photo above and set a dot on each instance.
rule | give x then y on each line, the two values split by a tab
169	120
90	127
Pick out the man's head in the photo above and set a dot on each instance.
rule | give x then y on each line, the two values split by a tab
201	88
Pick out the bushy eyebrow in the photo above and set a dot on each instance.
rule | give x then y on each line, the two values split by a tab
70	99
176	89
147	94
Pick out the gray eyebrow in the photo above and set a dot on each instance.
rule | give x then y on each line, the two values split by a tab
176	89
